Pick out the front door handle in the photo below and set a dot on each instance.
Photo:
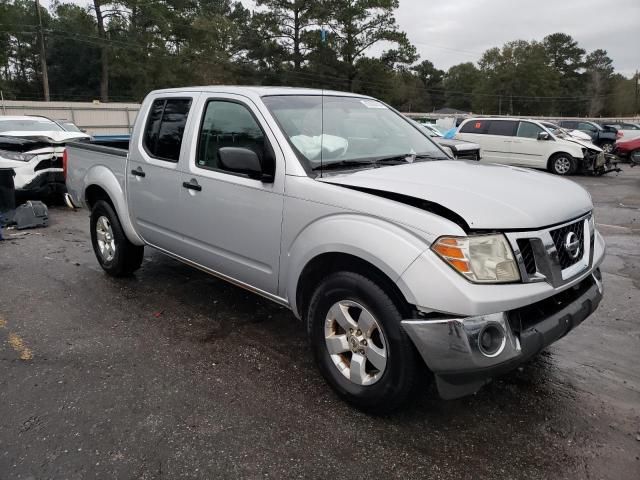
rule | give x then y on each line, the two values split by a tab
138	172
192	185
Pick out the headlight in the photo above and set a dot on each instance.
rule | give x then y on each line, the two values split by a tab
20	157
481	258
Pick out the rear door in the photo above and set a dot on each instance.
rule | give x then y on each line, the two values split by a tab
526	149
232	223
153	172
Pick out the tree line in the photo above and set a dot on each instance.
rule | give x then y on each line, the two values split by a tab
120	50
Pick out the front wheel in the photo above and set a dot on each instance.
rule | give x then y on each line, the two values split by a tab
562	164
359	344
115	253
607	147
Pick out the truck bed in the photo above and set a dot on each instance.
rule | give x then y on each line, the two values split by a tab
85	159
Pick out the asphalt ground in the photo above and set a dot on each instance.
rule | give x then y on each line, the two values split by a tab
175	374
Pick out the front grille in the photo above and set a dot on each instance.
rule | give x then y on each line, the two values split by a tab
559	237
523	318
55	162
526	250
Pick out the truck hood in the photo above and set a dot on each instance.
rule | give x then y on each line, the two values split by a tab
488	196
49	136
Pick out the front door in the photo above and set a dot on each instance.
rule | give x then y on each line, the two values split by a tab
232	223
526	149
153	172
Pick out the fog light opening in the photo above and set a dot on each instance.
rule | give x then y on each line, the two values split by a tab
491	340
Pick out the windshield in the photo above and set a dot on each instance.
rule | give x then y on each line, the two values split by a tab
70	127
346	130
29	125
553	128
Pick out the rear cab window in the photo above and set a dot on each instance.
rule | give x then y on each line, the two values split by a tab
163	133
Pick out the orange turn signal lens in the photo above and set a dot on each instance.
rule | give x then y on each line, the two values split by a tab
448	251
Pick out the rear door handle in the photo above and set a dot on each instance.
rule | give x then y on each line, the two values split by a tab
138	172
192	185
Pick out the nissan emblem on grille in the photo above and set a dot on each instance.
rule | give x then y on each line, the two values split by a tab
572	245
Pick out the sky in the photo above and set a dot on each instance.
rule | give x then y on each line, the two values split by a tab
449	32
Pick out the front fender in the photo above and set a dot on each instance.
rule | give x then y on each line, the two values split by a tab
104	178
384	245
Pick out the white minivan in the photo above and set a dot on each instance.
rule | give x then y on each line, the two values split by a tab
528	143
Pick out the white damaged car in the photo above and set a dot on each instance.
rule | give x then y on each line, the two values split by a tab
33	147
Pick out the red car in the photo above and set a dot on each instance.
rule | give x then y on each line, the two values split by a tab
629	149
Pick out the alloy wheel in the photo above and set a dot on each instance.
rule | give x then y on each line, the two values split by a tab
106	242
356	343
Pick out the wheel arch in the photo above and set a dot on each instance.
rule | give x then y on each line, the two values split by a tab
335	242
327	263
101	184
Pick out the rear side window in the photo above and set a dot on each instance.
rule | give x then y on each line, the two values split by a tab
528	130
502	127
165	128
475	126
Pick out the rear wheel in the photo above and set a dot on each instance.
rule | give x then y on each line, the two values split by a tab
562	164
359	344
115	253
634	157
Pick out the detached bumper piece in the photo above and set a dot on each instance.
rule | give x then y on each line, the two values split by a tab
31	214
465	353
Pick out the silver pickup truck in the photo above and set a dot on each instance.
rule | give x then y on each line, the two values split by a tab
333	204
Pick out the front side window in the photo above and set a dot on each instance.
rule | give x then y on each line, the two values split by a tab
528	130
229	124
165	127
502	127
335	129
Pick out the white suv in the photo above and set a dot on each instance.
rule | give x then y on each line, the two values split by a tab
528	143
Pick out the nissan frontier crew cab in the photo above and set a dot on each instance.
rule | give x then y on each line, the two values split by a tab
394	255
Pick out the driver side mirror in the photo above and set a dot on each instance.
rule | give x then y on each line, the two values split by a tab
243	161
544	136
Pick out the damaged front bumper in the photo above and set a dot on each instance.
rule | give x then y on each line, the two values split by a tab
465	353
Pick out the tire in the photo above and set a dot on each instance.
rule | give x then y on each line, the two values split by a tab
607	147
374	388
634	157
115	253
562	164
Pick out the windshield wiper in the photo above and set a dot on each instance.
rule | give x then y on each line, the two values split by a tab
341	164
409	158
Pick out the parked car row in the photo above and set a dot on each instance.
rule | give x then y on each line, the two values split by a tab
530	143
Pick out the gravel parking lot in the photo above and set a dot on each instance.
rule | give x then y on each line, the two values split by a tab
175	374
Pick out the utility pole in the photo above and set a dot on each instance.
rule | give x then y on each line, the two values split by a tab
637	111
43	56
